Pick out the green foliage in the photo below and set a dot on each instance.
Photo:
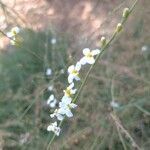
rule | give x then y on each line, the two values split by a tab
24	83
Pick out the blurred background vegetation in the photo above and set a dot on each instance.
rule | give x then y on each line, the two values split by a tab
123	75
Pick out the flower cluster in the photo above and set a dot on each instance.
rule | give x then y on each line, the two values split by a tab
12	35
52	101
66	104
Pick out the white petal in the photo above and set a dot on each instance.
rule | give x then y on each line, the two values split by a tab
53	104
55	123
48	71
71	86
70	78
66	100
9	34
53	41
61	110
86	51
73	91
57	131
114	104
50	128
16	29
95	52
71	68
90	60
69	113
48	101
60	117
77	78
50	88
72	105
78	66
51	97
52	115
83	61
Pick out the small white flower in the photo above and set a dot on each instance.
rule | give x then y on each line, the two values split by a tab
53	41
51	101
144	48
14	31
57	113
12	34
74	72
114	104
54	128
66	106
69	90
48	71
50	88
89	56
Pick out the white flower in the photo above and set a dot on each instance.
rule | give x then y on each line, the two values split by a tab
48	71
54	128
114	104
57	113
12	34
89	56
74	72
53	41
66	106
144	48
14	31
51	101
69	90
50	88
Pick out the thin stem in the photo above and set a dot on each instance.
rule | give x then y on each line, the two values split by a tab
126	133
91	68
102	51
121	138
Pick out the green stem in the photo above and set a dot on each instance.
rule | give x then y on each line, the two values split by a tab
102	51
91	68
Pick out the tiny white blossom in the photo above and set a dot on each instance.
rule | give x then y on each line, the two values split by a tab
144	48
50	88
66	105
114	104
58	114
89	56
12	34
74	72
54	128
48	71
51	101
69	90
53	41
14	31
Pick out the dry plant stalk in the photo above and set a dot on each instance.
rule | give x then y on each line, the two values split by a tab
119	126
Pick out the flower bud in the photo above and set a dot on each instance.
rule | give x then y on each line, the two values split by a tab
103	41
119	27
126	12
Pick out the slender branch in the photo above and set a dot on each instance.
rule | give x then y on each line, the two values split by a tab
91	68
